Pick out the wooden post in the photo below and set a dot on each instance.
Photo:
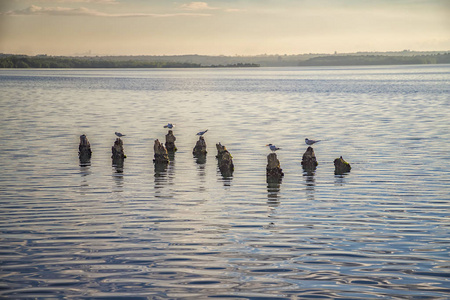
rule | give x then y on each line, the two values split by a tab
161	156
341	166
200	147
170	142
225	161
84	150
273	169
309	161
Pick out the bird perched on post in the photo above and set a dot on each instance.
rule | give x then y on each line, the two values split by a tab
310	142
202	132
119	134
273	147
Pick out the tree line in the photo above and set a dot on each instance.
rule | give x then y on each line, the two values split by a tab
69	62
196	61
359	60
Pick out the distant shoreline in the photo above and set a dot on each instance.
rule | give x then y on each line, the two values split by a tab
204	61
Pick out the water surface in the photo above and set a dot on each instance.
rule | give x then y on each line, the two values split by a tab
71	230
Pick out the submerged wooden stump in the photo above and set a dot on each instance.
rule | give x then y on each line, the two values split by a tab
225	161
273	169
341	166
117	150
200	147
161	155
84	150
170	142
309	161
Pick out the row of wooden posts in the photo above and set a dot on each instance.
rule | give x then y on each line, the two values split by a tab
225	160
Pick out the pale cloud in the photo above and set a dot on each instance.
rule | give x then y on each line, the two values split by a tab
82	11
82	1
197	6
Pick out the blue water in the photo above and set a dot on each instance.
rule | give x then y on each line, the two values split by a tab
381	231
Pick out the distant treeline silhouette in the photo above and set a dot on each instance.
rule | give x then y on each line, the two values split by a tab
359	60
199	61
69	62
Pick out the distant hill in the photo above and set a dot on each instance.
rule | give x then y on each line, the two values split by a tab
359	60
205	61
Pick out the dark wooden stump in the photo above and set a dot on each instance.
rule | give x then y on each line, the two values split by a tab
118	155
341	166
273	169
309	161
170	142
225	161
161	155
84	150
200	147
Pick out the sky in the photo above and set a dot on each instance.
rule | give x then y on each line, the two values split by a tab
222	27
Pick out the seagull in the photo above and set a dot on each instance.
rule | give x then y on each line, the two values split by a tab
170	126
273	147
310	142
119	134
202	132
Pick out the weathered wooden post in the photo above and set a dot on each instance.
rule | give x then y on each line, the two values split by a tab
309	161
225	161
118	155
161	155
117	150
341	166
170	142
84	150
200	147
273	169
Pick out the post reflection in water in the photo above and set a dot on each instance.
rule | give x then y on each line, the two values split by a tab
225	180
310	183
201	165
339	180
273	190
161	175
118	165
273	198
85	171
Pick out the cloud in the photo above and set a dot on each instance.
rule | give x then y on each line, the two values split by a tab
82	11
197	6
82	1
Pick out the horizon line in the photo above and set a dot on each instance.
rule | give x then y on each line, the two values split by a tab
89	54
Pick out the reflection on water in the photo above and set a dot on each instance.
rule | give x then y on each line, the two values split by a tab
226	180
339	180
273	191
85	171
310	183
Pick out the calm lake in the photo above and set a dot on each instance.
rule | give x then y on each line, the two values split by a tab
381	231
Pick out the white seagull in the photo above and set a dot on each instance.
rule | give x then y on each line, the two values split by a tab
170	126
273	147
202	132
310	142
119	134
